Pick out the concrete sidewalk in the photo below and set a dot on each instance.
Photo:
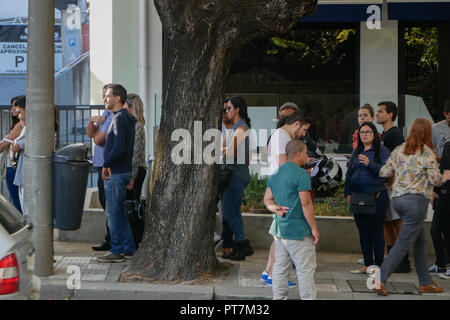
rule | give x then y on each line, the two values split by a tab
333	279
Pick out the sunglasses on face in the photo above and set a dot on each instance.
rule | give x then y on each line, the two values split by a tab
225	110
365	132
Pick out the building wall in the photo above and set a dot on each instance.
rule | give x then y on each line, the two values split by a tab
72	84
125	44
114	45
115	31
101	44
379	63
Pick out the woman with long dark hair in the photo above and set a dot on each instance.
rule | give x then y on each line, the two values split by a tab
235	152
9	158
363	177
416	171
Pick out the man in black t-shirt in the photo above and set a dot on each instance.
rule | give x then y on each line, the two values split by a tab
440	226
391	138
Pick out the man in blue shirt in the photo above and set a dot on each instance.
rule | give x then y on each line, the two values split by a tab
294	228
97	129
116	173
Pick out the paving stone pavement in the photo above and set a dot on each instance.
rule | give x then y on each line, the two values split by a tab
333	279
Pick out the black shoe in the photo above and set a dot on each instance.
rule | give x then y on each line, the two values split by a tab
403	268
243	249
104	246
248	249
228	256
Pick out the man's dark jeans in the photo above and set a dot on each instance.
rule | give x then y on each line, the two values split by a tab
101	198
440	230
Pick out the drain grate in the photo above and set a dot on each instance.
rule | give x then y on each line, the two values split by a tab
392	287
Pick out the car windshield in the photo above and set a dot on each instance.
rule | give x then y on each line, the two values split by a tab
10	218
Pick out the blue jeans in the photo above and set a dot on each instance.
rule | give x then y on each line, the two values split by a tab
13	189
371	236
121	237
227	236
231	206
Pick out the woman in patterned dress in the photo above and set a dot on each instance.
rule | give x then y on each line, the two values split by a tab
416	171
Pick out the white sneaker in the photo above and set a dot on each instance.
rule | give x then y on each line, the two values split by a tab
436	269
445	275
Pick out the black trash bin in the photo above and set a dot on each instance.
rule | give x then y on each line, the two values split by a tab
70	176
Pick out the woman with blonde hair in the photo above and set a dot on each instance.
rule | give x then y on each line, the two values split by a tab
135	106
416	171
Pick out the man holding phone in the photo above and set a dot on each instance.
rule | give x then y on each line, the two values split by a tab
294	227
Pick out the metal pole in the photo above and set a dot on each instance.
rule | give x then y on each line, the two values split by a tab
144	67
40	139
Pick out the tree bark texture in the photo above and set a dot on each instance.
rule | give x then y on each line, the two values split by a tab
200	39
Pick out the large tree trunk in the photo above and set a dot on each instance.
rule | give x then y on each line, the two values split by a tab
201	37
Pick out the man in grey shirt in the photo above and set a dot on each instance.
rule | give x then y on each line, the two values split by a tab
441	131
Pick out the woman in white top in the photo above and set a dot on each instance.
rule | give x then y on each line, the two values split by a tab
9	158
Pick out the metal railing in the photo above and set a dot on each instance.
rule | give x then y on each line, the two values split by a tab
73	121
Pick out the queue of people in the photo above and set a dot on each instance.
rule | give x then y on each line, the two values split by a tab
285	153
397	179
119	157
379	170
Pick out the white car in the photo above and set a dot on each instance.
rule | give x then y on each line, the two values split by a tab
16	250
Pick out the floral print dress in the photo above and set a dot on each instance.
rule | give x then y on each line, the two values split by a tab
414	174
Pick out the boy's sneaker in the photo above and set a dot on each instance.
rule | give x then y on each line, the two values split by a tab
292	285
436	269
264	277
110	258
445	275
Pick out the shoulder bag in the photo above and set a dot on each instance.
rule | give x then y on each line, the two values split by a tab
363	203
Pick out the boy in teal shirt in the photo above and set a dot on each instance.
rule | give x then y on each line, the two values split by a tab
294	227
